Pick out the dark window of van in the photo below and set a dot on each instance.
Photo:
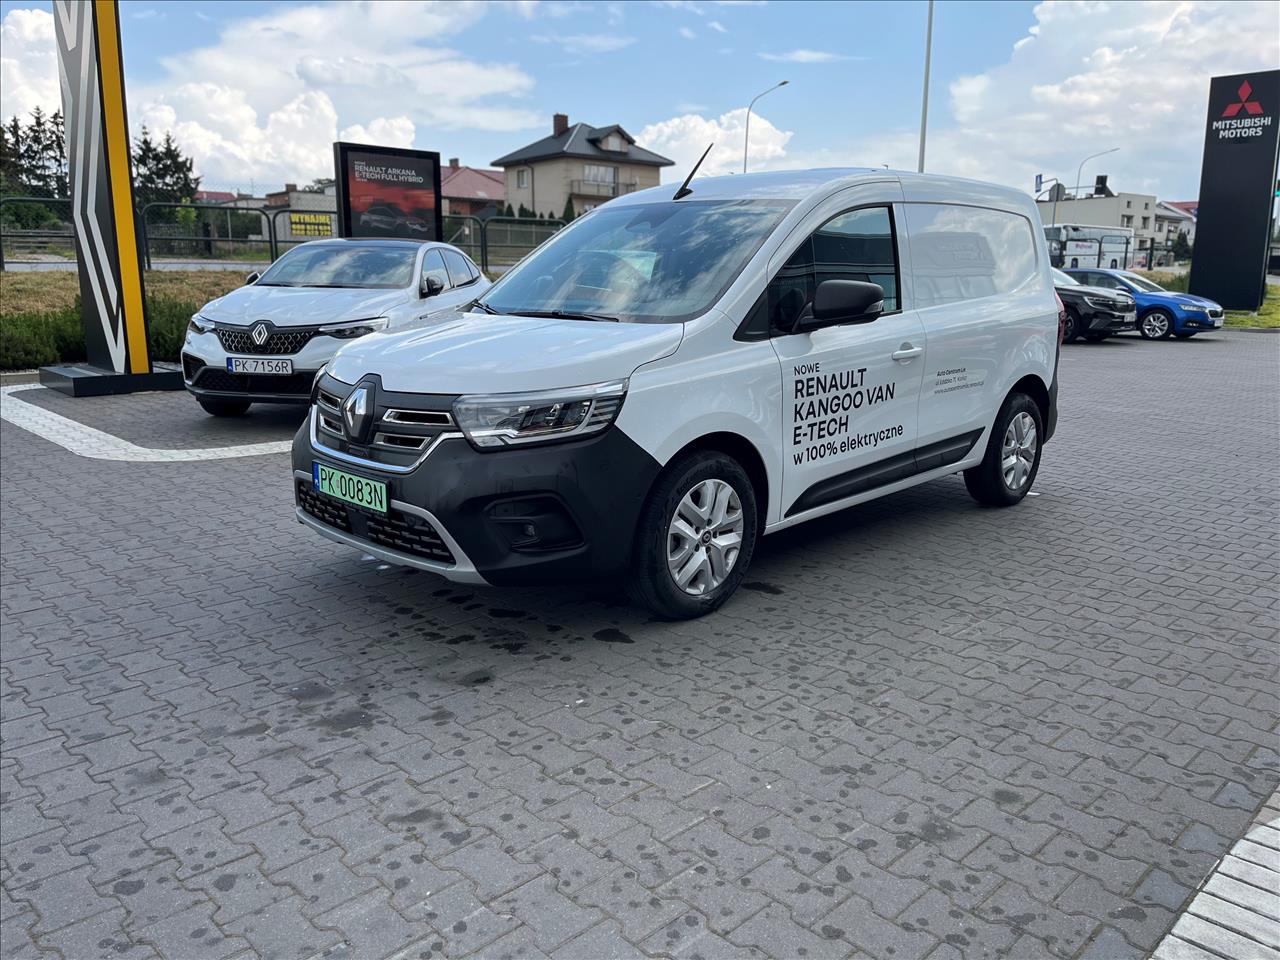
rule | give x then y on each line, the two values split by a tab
857	245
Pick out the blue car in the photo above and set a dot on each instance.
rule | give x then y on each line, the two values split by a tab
1161	312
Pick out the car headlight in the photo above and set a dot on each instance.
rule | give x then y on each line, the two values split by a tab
355	328
1104	303
1193	308
512	419
199	324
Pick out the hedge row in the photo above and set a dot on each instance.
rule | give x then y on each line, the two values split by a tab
36	338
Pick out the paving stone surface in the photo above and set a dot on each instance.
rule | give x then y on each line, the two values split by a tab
924	729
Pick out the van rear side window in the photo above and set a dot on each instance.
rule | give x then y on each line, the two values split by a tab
966	253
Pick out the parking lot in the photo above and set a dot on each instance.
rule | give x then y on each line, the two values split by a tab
924	729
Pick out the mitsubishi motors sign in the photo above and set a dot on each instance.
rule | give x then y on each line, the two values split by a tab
1237	186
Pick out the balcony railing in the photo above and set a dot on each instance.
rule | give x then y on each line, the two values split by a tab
595	188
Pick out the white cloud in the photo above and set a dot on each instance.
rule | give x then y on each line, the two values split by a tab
382	71
386	131
1093	76
683	139
717	26
587	43
28	64
804	56
688	34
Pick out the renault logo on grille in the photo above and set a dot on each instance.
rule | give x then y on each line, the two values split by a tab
357	410
259	333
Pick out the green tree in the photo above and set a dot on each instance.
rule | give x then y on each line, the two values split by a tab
567	215
1182	248
524	212
162	174
508	212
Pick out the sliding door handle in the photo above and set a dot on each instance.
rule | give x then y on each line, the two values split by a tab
906	353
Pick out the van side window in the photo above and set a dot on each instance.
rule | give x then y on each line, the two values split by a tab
433	266
965	253
857	245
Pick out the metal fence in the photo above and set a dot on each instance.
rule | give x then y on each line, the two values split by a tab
207	232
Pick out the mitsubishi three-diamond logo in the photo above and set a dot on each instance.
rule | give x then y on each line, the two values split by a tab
1243	118
1251	107
259	333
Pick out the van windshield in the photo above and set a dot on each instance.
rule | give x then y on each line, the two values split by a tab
663	262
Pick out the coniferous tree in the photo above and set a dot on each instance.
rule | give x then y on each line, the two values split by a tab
568	213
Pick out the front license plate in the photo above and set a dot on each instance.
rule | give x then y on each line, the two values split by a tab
370	494
271	367
1217	321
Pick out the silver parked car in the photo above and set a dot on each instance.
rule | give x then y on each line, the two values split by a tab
264	342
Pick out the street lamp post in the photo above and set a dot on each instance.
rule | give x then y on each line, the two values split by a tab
1080	169
924	104
746	137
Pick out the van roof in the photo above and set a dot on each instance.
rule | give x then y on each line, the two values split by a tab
799	184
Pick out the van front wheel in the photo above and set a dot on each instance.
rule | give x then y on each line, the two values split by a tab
1012	460
696	536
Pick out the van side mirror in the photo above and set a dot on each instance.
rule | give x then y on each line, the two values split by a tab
252	278
842	301
430	286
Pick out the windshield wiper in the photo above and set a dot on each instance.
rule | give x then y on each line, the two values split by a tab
275	283
485	307
566	315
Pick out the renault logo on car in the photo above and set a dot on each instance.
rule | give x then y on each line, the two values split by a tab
355	412
259	333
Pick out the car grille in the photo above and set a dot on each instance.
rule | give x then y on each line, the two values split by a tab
213	378
394	530
1215	312
278	342
403	429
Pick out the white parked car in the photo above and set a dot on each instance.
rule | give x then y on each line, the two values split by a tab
671	377
264	342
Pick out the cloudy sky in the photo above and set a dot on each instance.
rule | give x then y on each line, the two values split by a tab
257	92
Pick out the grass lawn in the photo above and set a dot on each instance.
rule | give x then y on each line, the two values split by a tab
45	291
40	313
1268	315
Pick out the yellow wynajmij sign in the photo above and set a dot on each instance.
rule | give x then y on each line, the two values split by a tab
311	224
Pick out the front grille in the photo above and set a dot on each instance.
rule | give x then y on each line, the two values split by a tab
325	510
293	384
400	531
1215	313
405	425
278	342
394	530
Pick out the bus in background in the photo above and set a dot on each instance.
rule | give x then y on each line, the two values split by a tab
1083	245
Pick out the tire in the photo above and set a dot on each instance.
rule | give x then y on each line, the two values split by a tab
1072	330
693	485
1185	334
224	408
987	481
1155	324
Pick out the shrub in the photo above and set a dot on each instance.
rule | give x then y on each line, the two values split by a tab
38	338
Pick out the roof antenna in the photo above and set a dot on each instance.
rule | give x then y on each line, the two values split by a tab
684	190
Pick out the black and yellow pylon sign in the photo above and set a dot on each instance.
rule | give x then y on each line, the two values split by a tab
113	305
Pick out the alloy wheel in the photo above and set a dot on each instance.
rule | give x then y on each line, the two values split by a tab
1155	325
1018	452
704	537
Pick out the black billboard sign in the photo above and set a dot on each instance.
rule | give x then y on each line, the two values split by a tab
387	192
1237	177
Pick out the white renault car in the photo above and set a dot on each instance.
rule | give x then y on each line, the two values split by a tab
264	342
671	377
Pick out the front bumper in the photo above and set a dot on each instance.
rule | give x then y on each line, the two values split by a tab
204	371
548	513
1200	321
1104	321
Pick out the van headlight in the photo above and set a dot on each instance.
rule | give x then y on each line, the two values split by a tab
199	324
354	328
512	419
